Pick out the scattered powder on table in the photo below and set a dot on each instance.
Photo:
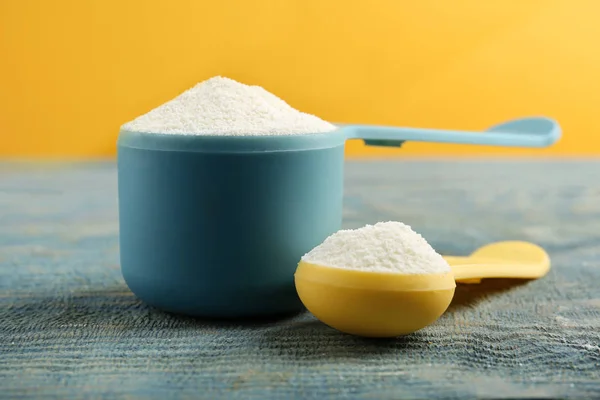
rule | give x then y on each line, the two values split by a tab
383	247
222	106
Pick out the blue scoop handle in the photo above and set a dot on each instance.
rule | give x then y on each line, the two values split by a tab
525	132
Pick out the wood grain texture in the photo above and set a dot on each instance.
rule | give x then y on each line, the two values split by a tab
69	327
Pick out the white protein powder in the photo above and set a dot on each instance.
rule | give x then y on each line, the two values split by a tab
222	106
383	247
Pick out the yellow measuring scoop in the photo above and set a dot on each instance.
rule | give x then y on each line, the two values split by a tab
388	304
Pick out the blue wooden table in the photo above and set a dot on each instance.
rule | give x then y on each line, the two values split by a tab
69	327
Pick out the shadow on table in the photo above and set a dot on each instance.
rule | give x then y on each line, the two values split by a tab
112	308
469	295
313	340
118	312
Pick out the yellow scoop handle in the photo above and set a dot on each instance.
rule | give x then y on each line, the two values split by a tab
510	259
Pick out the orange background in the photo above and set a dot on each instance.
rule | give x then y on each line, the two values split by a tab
72	71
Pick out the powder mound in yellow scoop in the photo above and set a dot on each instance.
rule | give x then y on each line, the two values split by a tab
383	247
